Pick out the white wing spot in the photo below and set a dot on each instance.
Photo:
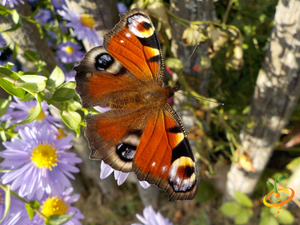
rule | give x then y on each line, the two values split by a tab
153	164
164	169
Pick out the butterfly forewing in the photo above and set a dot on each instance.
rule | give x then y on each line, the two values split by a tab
134	43
141	132
101	79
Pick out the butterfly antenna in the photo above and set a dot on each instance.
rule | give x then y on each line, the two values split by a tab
202	98
181	72
188	60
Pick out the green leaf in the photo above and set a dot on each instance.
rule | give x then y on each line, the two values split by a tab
174	64
270	220
9	65
242	199
4	11
270	184
4	104
59	219
33	83
64	92
243	216
5	47
280	178
9	73
15	52
78	131
10	89
230	209
56	78
294	164
31	206
15	16
13	28
265	218
284	216
31	56
34	204
74	105
30	211
206	192
34	113
7	202
8	85
28	97
71	119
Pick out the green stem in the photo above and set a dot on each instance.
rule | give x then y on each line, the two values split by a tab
24	201
51	102
275	186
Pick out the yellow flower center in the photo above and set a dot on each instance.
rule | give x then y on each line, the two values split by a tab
60	133
69	49
54	206
87	21
41	116
44	155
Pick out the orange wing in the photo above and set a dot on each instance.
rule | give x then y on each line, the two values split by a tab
164	156
114	136
133	42
101	80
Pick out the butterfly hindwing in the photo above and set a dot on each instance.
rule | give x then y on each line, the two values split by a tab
134	43
114	136
140	132
164	156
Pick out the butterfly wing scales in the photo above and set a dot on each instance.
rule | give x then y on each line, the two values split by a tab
164	156
114	135
100	85
131	136
134	43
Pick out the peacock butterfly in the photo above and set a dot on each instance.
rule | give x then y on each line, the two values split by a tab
141	132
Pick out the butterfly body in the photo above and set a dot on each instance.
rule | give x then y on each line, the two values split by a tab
141	132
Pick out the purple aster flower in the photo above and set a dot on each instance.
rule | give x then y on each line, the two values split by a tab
17	211
43	16
58	205
22	109
120	176
152	218
40	162
11	3
121	7
7	58
83	26
2	41
69	52
70	75
58	4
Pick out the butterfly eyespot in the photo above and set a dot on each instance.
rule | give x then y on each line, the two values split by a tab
103	61
182	174
140	132
125	151
140	26
146	25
